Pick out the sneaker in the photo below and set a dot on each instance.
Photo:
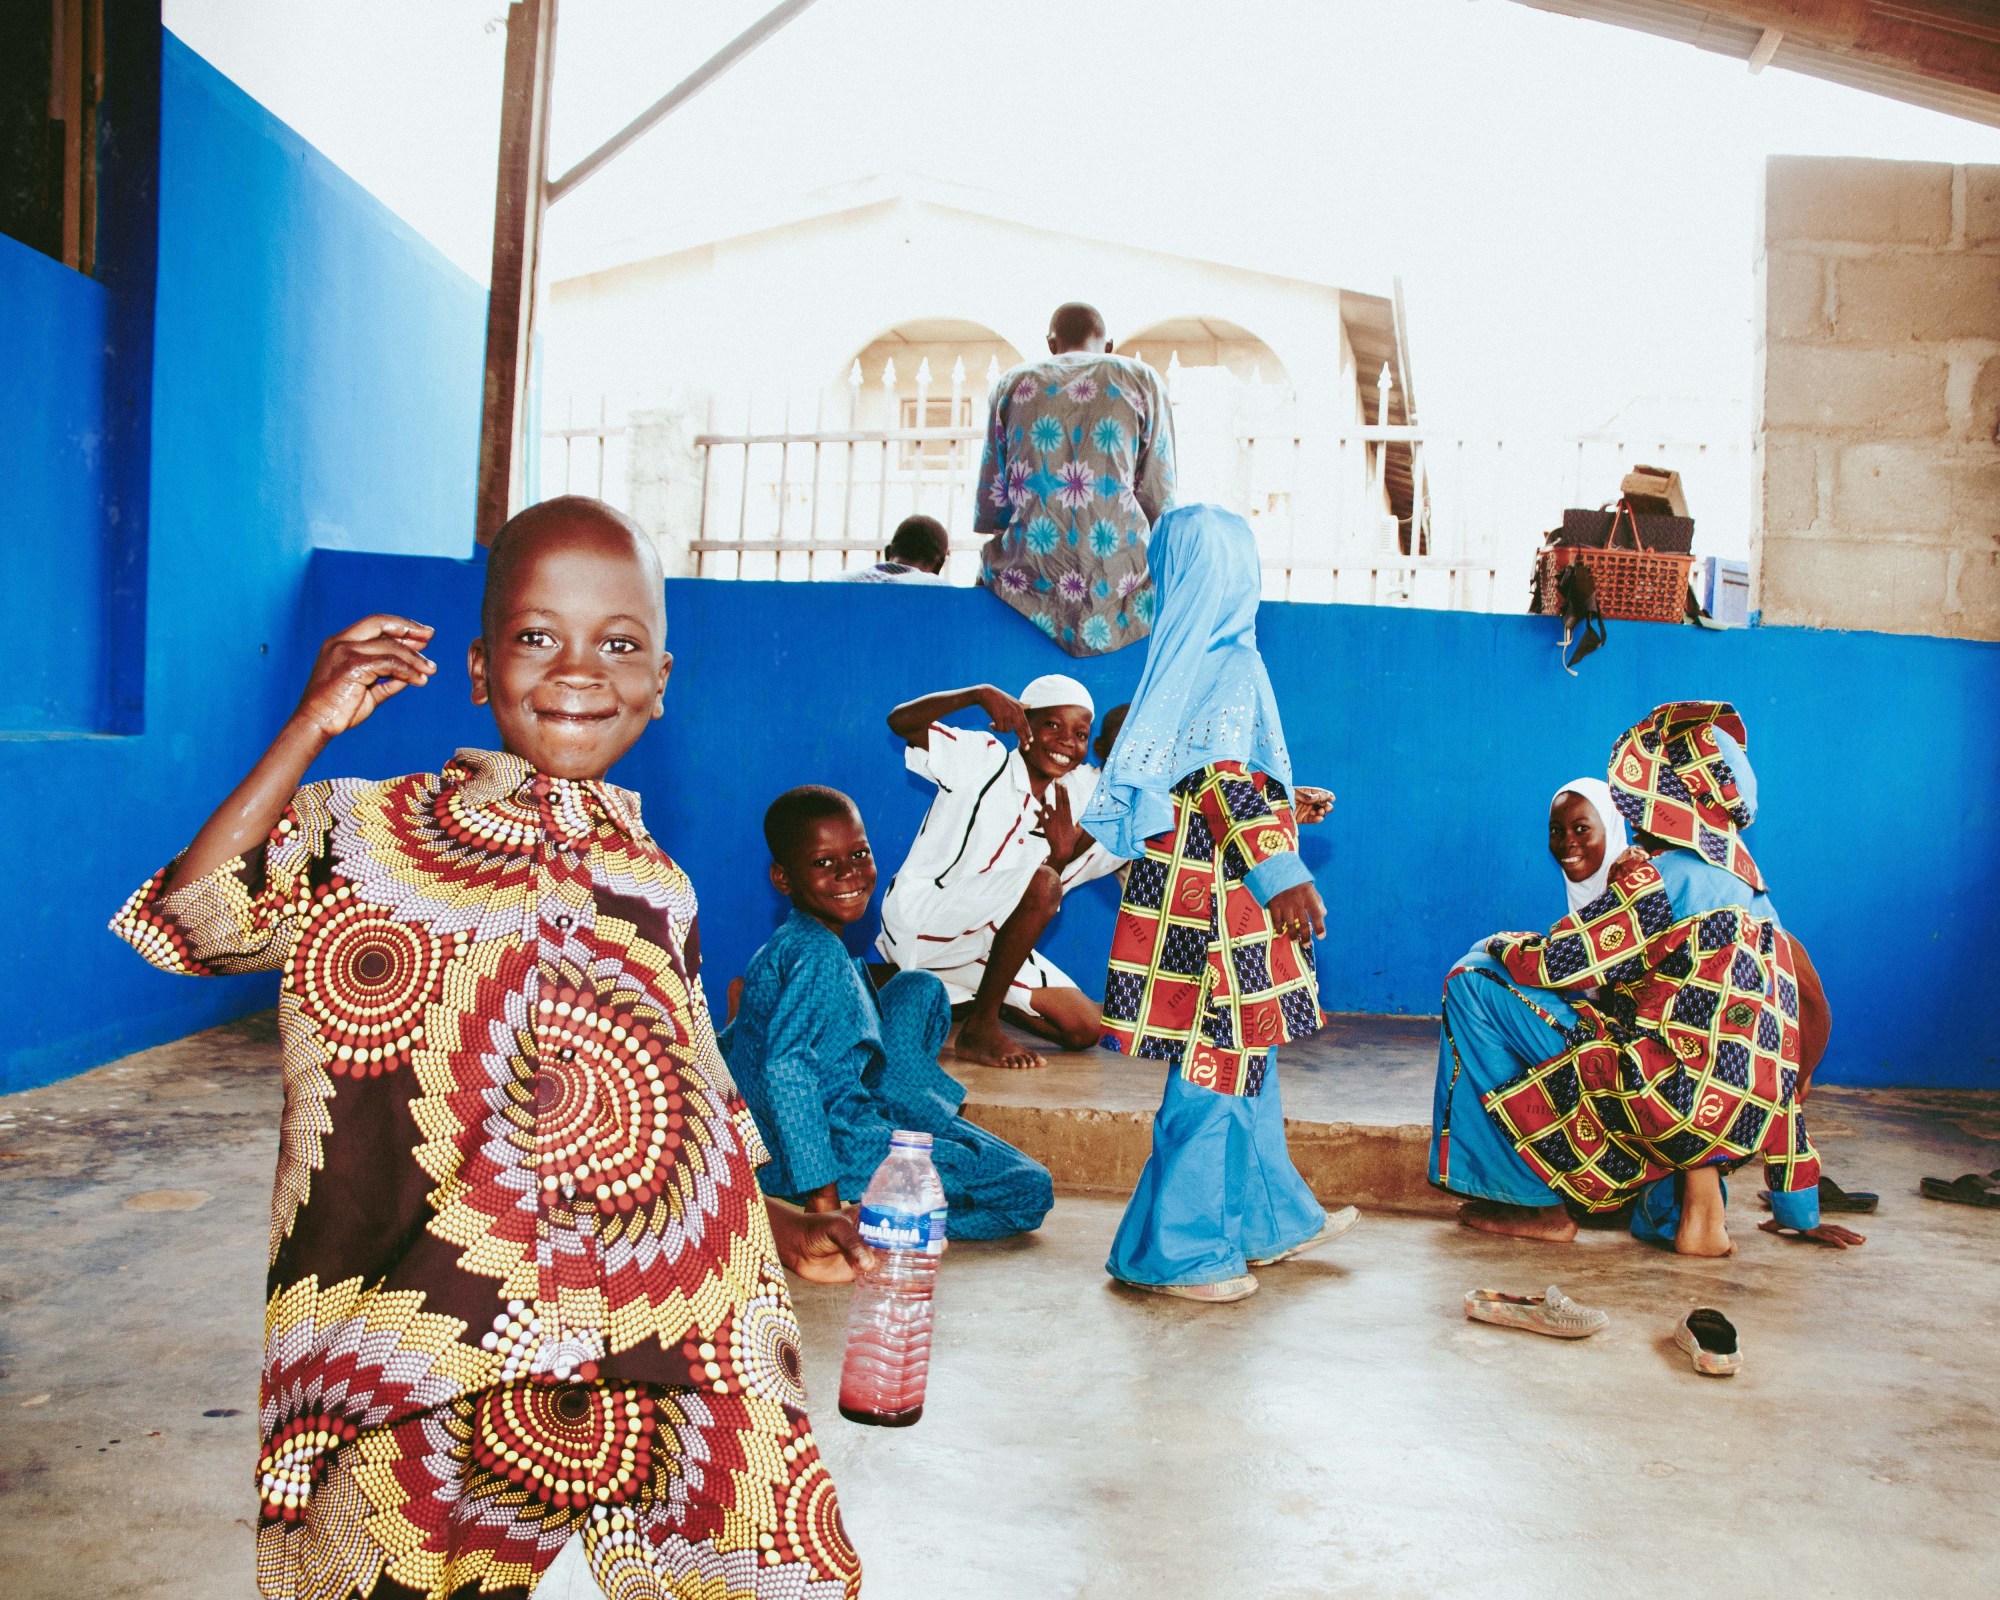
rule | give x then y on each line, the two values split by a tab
1552	1313
1709	1338
1213	1294
1336	1224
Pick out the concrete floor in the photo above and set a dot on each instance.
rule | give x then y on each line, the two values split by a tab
1344	1433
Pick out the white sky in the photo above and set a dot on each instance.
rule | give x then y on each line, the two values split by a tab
1572	206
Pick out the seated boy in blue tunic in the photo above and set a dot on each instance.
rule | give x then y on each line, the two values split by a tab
830	1068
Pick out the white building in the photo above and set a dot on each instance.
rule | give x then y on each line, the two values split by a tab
774	391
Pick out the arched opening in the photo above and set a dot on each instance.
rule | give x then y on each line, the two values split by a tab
1234	421
931	372
1206	342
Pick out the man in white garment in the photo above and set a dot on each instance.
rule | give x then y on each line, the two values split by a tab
997	852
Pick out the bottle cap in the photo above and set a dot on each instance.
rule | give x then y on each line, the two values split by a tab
909	1140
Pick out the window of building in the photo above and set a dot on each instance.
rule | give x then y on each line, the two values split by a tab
51	82
938	412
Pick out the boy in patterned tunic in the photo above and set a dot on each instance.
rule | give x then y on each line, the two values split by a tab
525	1297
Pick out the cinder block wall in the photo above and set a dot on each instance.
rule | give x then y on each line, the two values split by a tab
1879	377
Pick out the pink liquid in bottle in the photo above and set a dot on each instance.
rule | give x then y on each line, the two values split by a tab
889	1319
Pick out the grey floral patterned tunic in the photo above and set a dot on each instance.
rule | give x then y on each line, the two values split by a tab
1079	465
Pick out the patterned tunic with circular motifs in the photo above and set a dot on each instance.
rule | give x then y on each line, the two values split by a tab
522	1284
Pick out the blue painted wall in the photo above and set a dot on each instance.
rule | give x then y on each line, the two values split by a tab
313	384
1444	734
54	325
314	378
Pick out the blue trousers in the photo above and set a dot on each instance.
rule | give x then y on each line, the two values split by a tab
993	1189
1490	1035
1218	1190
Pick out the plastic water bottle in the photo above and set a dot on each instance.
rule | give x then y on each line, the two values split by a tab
889	1319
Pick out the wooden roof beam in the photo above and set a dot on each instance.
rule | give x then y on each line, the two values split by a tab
1955	41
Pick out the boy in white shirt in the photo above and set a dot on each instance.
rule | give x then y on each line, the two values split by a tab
997	852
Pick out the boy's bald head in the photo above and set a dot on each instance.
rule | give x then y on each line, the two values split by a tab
571	521
572	652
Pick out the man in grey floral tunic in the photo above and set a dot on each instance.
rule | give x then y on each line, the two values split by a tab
1079	465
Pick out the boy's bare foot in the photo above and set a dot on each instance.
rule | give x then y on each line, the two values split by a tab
1704	1230
1550	1224
984	1044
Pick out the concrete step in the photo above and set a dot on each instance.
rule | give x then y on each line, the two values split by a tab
1357	1102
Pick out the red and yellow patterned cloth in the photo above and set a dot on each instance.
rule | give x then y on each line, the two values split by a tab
1686	1055
522	1284
1199	976
1670	778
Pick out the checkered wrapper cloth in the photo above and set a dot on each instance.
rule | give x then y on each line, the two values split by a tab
1686	1056
1670	777
1199	975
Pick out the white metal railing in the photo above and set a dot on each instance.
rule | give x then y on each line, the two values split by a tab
807	503
820	497
1482	506
803	502
585	458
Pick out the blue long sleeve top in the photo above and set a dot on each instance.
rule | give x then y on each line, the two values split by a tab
801	1048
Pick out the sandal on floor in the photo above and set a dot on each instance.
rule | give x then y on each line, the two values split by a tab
1709	1338
1209	1294
1336	1224
1971	1189
1833	1198
1553	1313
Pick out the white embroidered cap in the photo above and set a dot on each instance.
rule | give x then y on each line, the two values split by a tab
1057	689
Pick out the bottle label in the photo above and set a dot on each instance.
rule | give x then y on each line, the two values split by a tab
883	1229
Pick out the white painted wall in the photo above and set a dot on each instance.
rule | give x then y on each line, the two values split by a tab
790	307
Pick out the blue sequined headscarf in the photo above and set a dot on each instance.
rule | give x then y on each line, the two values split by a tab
1204	696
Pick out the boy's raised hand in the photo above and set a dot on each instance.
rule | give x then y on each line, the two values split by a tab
1060	828
1008	715
360	667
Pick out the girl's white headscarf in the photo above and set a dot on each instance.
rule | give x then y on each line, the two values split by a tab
1616	840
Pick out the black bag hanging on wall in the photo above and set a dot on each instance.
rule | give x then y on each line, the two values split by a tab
1577	588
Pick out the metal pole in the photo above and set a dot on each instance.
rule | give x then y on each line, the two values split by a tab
517	233
679	95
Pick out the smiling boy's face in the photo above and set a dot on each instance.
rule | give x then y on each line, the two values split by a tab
829	871
573	660
1059	740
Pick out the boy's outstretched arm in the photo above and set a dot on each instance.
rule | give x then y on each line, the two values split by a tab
357	669
911	720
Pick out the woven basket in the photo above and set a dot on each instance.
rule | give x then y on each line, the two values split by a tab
1632	585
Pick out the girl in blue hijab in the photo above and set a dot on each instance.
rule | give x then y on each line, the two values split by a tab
1211	962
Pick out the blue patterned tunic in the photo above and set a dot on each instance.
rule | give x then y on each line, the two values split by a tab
1079	465
830	1068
